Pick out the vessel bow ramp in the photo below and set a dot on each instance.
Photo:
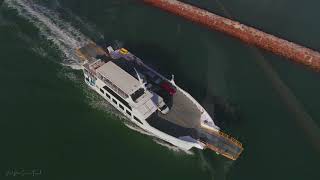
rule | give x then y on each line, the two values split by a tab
184	113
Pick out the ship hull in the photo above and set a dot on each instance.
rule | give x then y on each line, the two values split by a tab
181	144
113	74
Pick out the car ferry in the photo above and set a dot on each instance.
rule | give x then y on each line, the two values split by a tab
153	102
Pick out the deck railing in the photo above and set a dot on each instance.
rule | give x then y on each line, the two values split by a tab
112	86
228	137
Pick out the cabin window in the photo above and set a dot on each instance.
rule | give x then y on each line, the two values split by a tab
101	91
113	100
121	106
87	79
125	103
128	112
135	118
108	96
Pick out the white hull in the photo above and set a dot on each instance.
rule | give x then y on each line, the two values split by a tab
186	124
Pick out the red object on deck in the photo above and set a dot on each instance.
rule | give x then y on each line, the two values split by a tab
167	86
245	33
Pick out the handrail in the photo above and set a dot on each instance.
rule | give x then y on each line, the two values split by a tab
228	137
112	86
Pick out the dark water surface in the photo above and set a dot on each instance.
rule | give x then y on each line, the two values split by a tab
51	122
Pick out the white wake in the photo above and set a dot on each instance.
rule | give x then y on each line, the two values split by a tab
67	39
64	36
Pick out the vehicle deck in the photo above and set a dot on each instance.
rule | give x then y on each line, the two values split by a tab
220	143
182	111
213	140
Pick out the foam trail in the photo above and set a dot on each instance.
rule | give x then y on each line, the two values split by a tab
172	147
87	26
136	128
67	39
73	65
155	139
62	34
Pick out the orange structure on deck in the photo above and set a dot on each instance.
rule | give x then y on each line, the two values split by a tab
245	33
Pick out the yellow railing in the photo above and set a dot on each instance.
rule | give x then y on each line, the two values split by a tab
230	138
224	135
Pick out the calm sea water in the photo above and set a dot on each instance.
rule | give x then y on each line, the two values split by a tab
53	124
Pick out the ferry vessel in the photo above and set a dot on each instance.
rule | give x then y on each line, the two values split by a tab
153	102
